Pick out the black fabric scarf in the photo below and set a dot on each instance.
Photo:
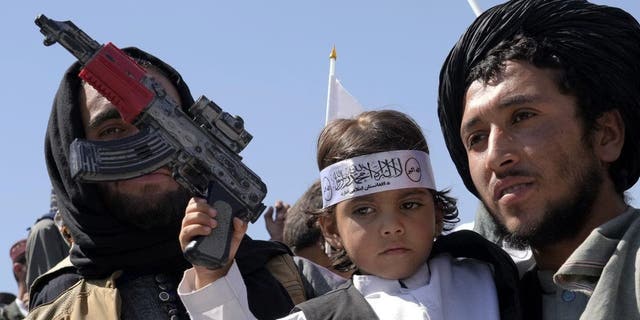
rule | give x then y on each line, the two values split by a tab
103	244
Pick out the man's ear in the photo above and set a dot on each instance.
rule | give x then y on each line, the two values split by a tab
609	136
330	231
20	270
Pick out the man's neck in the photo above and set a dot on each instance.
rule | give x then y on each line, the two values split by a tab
608	206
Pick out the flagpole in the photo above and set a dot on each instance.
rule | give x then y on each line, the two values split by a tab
474	6
332	74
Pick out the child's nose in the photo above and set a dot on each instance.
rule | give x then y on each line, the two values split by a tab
392	225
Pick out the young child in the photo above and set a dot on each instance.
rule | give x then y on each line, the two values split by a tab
381	212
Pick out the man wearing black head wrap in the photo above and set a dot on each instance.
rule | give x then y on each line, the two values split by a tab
125	232
539	103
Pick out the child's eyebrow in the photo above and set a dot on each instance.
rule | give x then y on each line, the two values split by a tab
367	197
417	191
408	192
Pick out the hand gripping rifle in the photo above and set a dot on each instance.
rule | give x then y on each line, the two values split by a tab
201	146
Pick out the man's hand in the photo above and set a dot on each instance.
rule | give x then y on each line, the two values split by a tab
275	226
199	220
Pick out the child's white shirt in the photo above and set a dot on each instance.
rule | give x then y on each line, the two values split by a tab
444	288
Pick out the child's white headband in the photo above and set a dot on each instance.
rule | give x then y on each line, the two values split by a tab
375	172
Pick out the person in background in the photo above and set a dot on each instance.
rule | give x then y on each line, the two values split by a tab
45	245
303	235
275	225
18	309
62	227
305	240
539	103
6	298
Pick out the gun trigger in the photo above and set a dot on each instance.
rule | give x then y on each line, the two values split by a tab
174	174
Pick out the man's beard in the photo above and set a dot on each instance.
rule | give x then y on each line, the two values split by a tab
562	219
149	210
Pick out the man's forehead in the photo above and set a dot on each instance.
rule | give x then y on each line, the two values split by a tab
167	84
91	99
95	108
90	96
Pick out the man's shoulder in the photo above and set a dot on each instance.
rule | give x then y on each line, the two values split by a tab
270	275
625	229
321	279
338	294
470	244
254	254
49	290
346	288
345	302
631	238
462	266
52	284
613	251
635	223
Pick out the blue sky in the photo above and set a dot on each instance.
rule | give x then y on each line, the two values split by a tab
266	61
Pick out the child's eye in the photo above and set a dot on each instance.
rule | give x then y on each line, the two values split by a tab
411	205
362	211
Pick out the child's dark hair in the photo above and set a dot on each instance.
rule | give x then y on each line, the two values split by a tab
372	132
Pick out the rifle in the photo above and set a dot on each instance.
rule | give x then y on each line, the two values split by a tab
201	145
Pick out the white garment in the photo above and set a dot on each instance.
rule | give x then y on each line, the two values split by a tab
22	307
445	288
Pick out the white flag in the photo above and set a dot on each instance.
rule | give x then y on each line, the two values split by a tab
340	103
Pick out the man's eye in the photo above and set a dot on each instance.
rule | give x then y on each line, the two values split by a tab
111	131
522	115
474	139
